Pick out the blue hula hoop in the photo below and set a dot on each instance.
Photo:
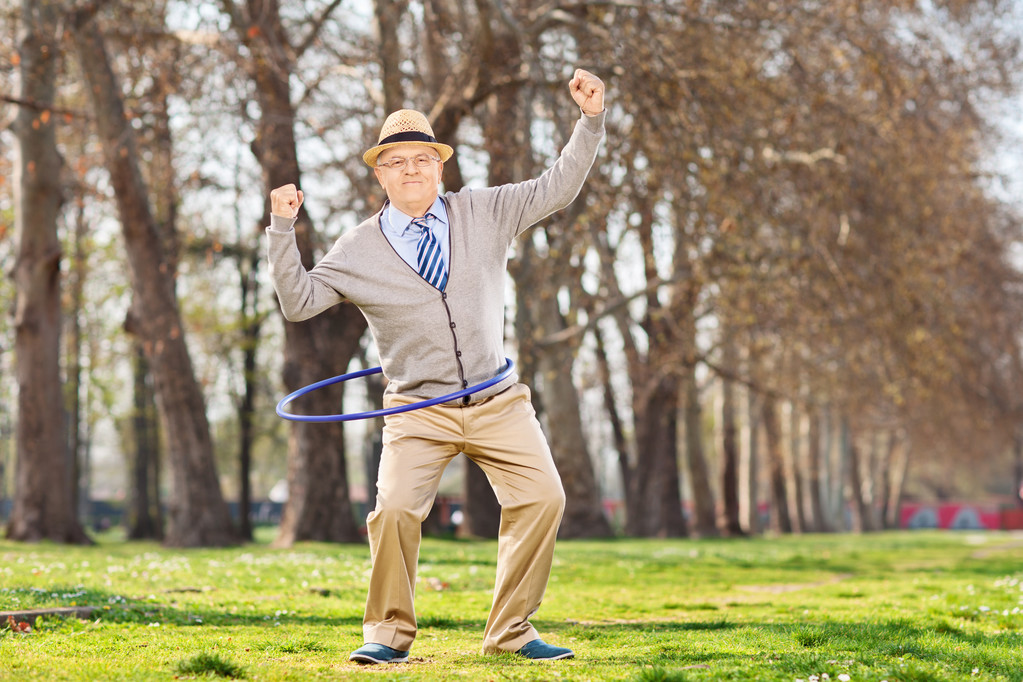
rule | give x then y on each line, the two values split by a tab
281	412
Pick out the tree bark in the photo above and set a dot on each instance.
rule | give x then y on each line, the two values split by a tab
657	510
621	443
481	512
650	478
656	390
885	474
704	520
77	443
752	477
840	489
731	521
43	498
144	518
198	513
319	504
781	521
894	519
815	480
584	515
252	322
5	456
388	14
861	520
794	471
1017	467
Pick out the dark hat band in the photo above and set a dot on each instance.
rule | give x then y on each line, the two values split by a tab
410	136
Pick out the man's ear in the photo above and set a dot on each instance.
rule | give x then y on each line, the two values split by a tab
377	171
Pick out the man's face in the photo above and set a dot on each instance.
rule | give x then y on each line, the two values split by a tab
410	186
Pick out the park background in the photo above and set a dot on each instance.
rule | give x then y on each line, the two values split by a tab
788	298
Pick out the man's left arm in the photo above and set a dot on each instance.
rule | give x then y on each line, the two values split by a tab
533	200
587	91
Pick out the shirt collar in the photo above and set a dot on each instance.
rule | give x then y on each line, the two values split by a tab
399	221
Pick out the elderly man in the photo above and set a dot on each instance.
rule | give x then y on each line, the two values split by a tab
427	271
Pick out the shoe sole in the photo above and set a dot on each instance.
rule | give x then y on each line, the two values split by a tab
559	657
365	658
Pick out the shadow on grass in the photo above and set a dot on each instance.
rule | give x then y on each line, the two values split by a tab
115	608
928	649
184	617
901	649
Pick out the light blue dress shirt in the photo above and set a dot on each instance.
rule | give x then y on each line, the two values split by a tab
396	224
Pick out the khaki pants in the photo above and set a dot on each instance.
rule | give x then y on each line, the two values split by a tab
502	435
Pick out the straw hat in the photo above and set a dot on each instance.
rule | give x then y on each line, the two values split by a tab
406	126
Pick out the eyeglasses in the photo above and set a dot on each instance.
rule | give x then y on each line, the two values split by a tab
400	162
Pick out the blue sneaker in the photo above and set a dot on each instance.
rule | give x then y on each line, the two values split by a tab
378	653
539	650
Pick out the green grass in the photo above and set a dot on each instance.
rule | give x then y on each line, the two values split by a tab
210	665
908	606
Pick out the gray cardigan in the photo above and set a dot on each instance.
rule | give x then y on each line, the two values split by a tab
432	343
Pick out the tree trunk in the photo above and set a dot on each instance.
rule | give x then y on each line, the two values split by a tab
795	471
388	14
899	486
752	478
886	473
1017	452
780	520
198	513
43	498
319	504
815	455
861	521
869	480
621	444
584	514
656	509
5	449
481	512
252	322
704	521
77	447
730	514
840	487
656	499
144	518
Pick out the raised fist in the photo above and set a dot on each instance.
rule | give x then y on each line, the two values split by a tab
587	91
285	201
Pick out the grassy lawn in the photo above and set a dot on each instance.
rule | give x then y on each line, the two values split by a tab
912	606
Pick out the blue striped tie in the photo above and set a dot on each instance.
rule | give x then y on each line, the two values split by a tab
429	256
